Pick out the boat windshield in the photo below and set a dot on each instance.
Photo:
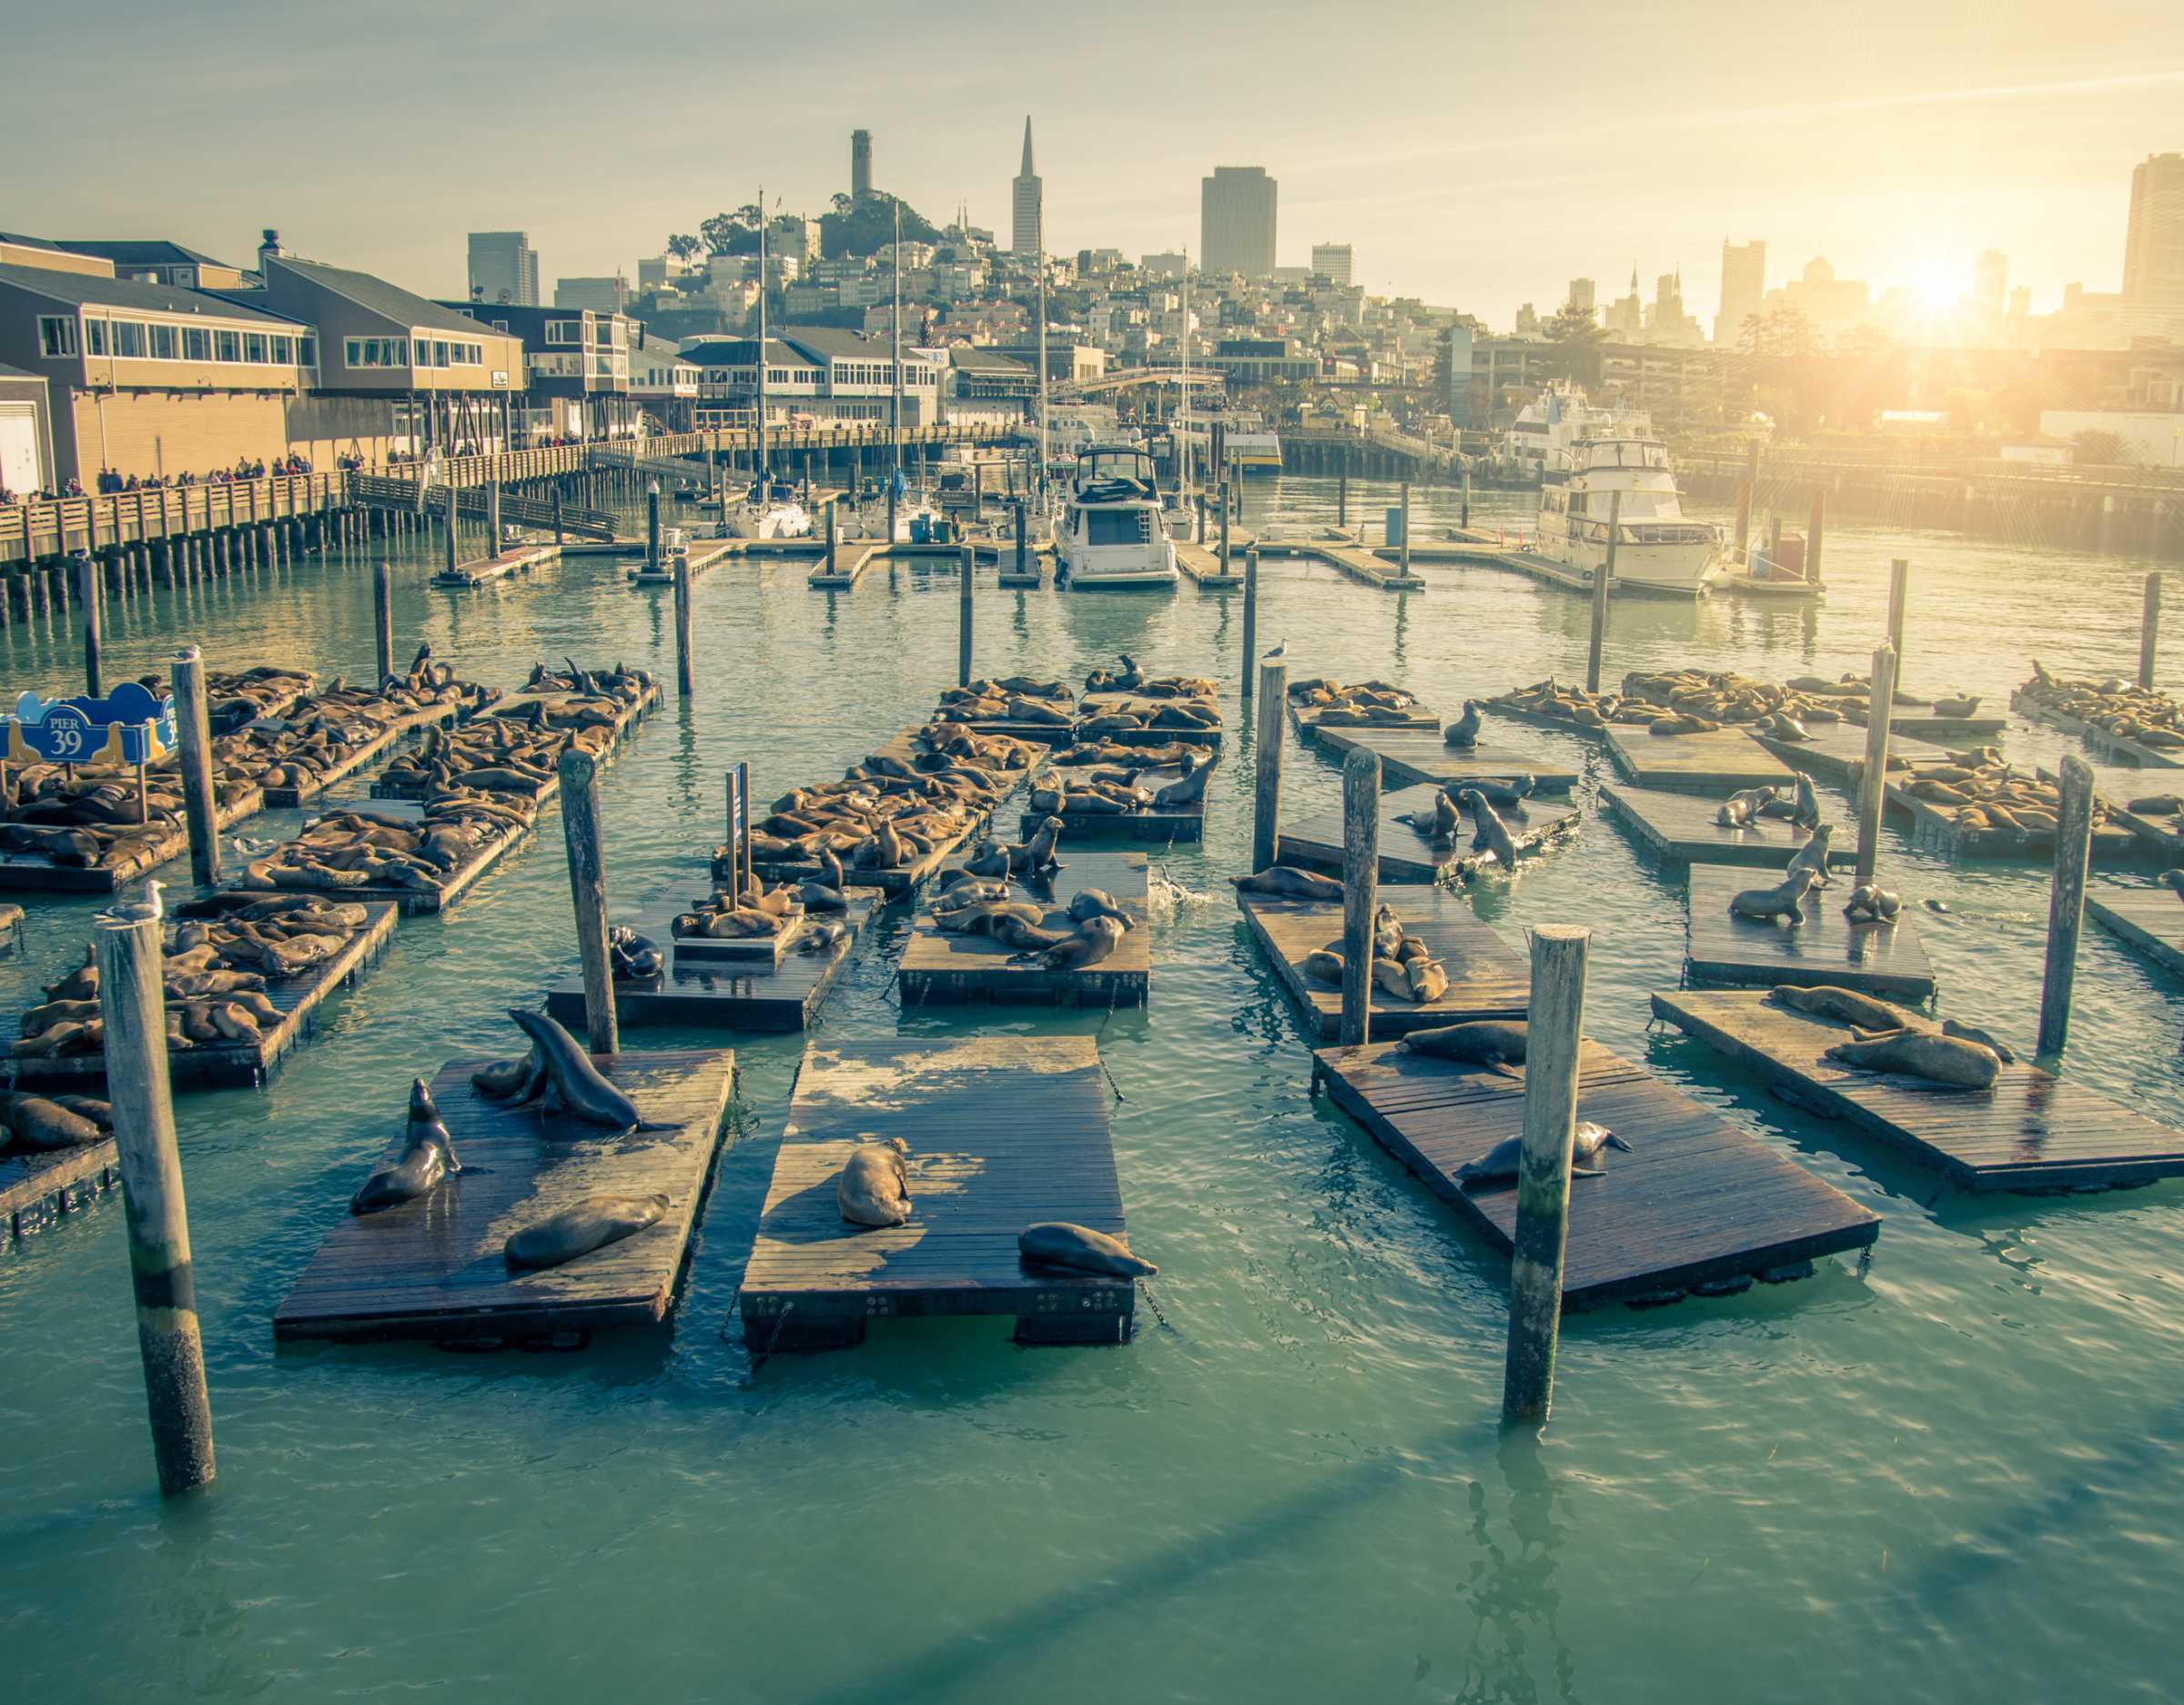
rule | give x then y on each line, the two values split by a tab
1626	453
1114	475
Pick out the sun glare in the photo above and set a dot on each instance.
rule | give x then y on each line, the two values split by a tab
1938	288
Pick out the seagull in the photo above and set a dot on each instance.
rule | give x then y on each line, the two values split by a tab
139	911
1277	654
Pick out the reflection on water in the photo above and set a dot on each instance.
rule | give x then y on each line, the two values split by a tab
1940	1481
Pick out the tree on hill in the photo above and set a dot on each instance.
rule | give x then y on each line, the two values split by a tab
864	227
683	247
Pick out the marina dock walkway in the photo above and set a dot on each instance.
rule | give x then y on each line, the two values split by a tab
1406	855
937	966
1884	959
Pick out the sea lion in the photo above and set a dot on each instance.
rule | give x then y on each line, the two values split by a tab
583	1226
1813	855
1496	1044
1502	793
874	1188
36	1122
1058	1243
1971	1032
100	1113
632	957
1956	707
1440	823
1783	726
821	934
1951	1061
818	897
1842	1006
1502	1161
1291	883
1871	903
1097	902
1427	979
564	1079
1764	905
1740	807
1188	790
1024	935
427	1155
503	1078
1093	939
957	888
1464	732
1493	834
1323	965
1807	813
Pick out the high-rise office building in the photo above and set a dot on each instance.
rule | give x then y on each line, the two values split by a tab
504	268
1990	280
2153	253
1335	262
1743	287
860	165
601	296
1027	224
1582	296
1235	221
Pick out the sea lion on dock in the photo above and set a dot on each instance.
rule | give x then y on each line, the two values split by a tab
427	1156
873	1187
1079	1248
632	957
1493	834
1464	732
1098	903
1093	941
979	917
1956	708
819	897
41	1122
1681	725
1740	807
1289	883
1497	1044
1503	793
1813	855
1806	812
1503	1160
1781	726
821	934
1838	1005
1951	1061
1764	905
564	1079
1323	965
583	1226
1021	934
1187	790
1871	903
1442	824
1969	1033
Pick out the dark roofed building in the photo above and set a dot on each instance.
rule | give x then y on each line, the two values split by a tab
156	261
820	373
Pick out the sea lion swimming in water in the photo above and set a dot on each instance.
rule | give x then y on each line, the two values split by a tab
1058	1243
427	1155
1291	883
560	1076
591	1224
1494	1043
873	1187
1503	1160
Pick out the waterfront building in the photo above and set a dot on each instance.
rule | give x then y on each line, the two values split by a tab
2153	251
663	383
1027	207
814	375
25	434
504	268
1236	221
1335	262
860	165
1744	288
156	262
987	388
601	296
1261	360
576	370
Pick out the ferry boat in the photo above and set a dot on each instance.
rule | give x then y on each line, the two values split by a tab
772	513
1656	549
1112	531
1559	417
1254	453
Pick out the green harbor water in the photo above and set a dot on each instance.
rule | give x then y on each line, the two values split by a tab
1948	1473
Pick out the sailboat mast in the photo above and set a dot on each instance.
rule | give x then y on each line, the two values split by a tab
894	399
1042	367
761	343
1183	446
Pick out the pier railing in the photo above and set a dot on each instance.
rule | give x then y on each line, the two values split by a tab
31	530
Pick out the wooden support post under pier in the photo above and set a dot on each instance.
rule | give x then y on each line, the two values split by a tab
92	599
1251	615
586	837
685	677
382	618
962	616
1266	802
2066	902
1601	583
454	552
1360	890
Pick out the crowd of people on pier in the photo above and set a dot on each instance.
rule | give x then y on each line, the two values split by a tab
112	484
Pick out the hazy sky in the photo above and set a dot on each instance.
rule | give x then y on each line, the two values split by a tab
1478	155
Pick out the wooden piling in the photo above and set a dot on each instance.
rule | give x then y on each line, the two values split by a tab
2066	902
963	620
652	527
558	536
1601	583
1554	1041
382	618
1023	541
1747	494
492	518
684	677
586	836
830	538
1774	544
1342	494
1873	787
1360	889
1814	528
132	1003
1465	520
454	526
194	739
1899	585
1405	558
1251	615
1224	532
2150	625
92	599
1266	801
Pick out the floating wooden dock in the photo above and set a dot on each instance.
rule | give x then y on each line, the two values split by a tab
703	555
231	1064
1166	827
2029	1131
1835	752
1098	704
433	1268
358	757
1202	566
723	991
1698	1204
1307	718
1004	1133
38	1187
1407	856
1486	980
2113	747
2150	921
406	813
1932	826
484	570
1680	828
24	872
1421	755
1884	959
1724	760
937	966
1363	566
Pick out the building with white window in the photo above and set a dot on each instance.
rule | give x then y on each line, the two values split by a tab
576	370
663	382
814	375
1335	262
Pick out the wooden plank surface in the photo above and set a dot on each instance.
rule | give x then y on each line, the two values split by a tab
37	1189
1408	856
1835	751
1885	959
1935	826
1726	759
2149	919
1178	822
1419	755
719	992
453	884
1697	1203
433	1268
937	966
1202	566
2114	748
30	871
2030	1131
1682	829
1486	980
1003	1132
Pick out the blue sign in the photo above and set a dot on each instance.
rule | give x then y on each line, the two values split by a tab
128	726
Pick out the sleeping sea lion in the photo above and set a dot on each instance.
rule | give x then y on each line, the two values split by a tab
1093	939
1058	1243
39	1122
1496	1044
1097	902
1502	1161
1841	1006
1290	882
1323	965
1947	1060
874	1188
585	1225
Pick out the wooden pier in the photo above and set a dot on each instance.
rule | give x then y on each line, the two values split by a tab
1315	841
721	990
484	570
1202	566
1307	720
230	1064
24	871
1003	1132
1363	566
1723	761
1421	755
433	1268
1932	826
2149	921
2029	1131
2109	747
1093	705
1486	980
1698	1204
405	813
704	554
40	1186
361	756
1682	829
1884	959
1165	827
937	966
1835	752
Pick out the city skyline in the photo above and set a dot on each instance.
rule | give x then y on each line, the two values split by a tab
1900	168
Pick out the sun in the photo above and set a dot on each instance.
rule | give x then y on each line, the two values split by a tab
1938	286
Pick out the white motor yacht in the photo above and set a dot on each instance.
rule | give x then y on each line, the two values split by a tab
1656	548
1112	531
